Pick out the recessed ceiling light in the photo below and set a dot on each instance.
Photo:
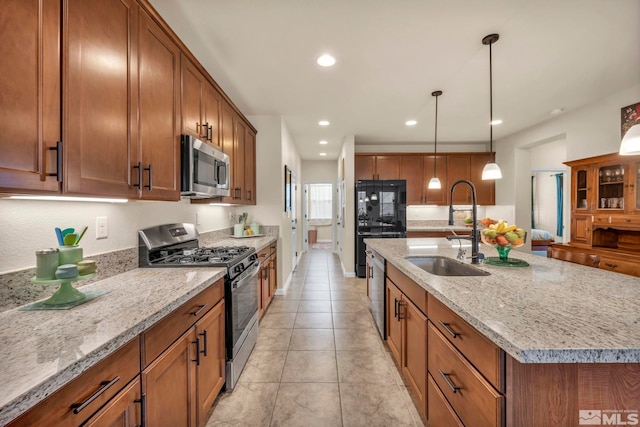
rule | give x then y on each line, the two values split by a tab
556	111
410	122
323	122
323	154
495	122
323	142
326	60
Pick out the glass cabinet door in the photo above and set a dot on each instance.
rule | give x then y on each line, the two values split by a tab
581	190
611	187
635	185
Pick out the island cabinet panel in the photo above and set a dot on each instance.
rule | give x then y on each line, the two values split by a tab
29	95
124	410
474	400
612	389
407	331
484	355
87	393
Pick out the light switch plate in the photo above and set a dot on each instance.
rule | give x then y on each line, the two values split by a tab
102	227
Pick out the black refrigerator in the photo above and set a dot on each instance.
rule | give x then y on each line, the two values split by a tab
381	212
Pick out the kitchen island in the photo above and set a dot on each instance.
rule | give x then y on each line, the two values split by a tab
43	351
567	336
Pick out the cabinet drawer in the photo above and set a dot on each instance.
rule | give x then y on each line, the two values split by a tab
101	382
470	395
264	253
620	266
441	414
273	248
487	357
415	293
161	335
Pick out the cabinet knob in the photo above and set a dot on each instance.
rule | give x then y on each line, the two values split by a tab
610	265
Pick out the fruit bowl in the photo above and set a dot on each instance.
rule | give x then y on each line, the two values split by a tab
503	237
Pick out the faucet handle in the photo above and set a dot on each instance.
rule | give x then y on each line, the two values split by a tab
461	253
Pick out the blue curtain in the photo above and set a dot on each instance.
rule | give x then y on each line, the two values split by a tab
533	198
559	178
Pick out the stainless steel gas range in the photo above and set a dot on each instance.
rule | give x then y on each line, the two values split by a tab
176	245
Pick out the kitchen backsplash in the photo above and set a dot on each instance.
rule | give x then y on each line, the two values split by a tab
16	288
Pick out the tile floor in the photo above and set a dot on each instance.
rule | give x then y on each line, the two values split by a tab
319	360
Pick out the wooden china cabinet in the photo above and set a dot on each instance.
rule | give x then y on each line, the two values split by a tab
605	211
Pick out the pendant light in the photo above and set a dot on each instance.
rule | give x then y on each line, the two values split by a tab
630	144
434	183
491	170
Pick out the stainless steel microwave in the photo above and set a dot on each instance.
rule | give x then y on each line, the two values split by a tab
204	169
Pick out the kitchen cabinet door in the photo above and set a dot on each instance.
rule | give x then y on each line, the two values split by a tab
157	161
485	189
365	167
387	167
212	102
458	167
169	384
581	229
394	325
227	144
240	131
210	372
581	189
124	410
412	168
99	97
434	197
30	91
192	95
414	348
250	167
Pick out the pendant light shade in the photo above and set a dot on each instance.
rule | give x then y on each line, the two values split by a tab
491	170
630	144
434	183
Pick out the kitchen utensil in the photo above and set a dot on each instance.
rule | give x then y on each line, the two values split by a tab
84	230
46	264
70	239
67	231
59	236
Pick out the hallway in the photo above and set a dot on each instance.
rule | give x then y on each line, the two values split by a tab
319	360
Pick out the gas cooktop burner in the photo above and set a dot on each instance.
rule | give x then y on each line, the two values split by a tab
221	255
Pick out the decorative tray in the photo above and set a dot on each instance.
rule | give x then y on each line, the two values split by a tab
247	237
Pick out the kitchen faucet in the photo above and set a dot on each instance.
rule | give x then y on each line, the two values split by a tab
475	255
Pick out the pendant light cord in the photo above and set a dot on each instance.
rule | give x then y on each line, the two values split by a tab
435	139
491	105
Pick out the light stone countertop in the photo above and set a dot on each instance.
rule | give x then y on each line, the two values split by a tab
43	350
438	225
550	312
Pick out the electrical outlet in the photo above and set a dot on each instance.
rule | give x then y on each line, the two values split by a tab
232	217
197	218
102	227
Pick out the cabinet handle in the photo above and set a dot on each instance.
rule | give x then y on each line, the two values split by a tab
143	409
199	310
454	388
204	343
610	265
139	167
371	271
197	359
447	328
77	407
150	169
395	307
249	195
400	311
58	150
210	133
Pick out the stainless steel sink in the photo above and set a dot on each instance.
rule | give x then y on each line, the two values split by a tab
443	266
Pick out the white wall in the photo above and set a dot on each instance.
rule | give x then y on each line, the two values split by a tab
28	225
347	253
589	131
447	147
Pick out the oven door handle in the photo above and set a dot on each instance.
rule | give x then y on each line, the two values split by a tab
246	275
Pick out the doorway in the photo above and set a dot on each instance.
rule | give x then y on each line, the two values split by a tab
318	215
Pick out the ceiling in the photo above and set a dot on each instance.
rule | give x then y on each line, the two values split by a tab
392	54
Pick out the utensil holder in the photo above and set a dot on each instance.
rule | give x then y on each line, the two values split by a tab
238	229
69	255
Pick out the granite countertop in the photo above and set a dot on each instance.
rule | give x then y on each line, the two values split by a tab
44	350
549	312
437	225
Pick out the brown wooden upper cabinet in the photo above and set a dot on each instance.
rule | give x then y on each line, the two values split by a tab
417	170
29	95
377	167
201	104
